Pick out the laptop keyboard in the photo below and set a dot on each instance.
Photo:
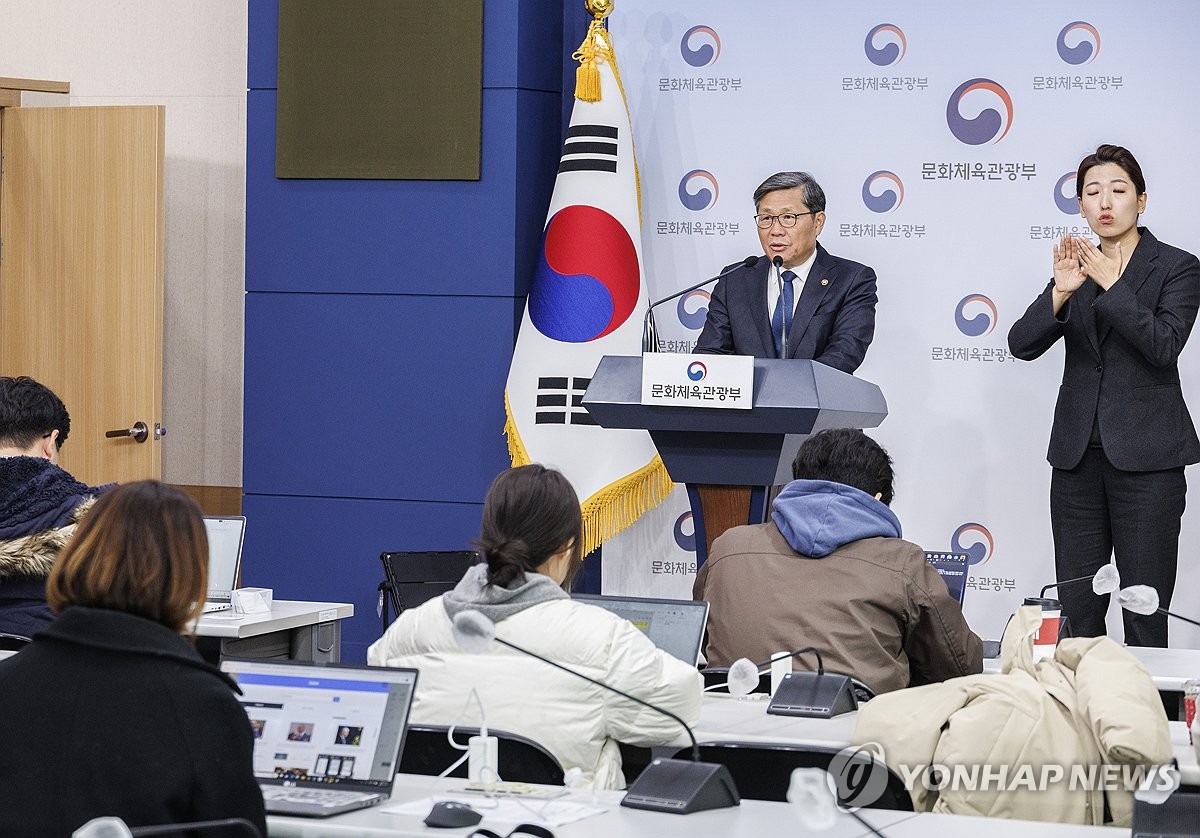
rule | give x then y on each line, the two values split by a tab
326	798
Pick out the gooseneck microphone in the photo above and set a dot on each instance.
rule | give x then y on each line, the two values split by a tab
1105	581
665	785
1143	599
783	315
650	331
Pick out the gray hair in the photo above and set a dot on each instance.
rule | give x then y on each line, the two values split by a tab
814	196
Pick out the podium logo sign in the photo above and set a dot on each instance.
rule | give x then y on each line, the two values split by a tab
721	381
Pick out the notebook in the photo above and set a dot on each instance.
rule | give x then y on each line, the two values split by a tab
225	536
327	737
674	625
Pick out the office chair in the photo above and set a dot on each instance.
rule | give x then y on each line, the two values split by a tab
518	759
12	642
411	578
763	770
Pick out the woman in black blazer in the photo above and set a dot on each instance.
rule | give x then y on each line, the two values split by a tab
1122	432
110	711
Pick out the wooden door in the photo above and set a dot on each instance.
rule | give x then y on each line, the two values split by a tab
81	268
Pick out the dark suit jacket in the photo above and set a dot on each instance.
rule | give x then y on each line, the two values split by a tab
106	713
834	320
1121	352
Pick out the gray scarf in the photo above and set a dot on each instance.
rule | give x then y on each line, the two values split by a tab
473	593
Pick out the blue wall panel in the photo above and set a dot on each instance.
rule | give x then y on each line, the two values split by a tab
389	236
376	396
520	44
326	549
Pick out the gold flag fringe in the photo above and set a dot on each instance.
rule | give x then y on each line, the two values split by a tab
591	52
618	505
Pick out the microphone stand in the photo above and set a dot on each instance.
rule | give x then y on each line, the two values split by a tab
650	330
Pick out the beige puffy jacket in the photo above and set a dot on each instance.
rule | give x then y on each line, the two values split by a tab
1092	705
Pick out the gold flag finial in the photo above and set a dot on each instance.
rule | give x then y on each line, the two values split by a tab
593	50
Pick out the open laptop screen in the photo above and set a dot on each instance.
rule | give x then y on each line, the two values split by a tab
225	537
674	625
331	725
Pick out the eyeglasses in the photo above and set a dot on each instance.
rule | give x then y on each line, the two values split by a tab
788	219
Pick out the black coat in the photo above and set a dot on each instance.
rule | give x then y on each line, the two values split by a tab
1122	366
833	324
106	713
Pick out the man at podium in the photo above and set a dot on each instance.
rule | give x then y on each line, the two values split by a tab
820	305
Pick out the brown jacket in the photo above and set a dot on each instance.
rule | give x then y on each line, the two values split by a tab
874	608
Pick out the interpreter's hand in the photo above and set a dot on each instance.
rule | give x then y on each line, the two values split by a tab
1068	272
1104	270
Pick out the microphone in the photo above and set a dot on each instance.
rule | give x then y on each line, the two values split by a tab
111	827
743	673
650	331
665	785
1106	581
783	315
1143	599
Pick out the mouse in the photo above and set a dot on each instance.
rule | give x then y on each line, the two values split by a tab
451	814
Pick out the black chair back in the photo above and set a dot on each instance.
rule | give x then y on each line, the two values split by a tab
411	578
12	642
518	759
763	770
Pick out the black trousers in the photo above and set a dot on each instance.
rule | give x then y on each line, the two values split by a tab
1097	510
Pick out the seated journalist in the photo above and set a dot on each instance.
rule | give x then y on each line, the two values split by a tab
531	537
40	503
830	570
110	711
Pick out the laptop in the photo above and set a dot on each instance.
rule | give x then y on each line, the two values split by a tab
327	737
674	625
225	537
953	569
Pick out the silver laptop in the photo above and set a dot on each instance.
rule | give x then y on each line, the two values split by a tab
327	737
225	537
674	625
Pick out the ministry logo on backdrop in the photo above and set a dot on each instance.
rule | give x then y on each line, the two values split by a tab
685	532
885	45
891	191
992	106
1078	43
700	46
692	309
698	190
1064	194
983	319
975	540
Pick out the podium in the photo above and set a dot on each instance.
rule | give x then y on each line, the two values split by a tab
725	456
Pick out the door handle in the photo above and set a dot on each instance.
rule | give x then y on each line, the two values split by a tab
139	432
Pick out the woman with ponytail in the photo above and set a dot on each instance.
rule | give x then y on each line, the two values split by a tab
530	539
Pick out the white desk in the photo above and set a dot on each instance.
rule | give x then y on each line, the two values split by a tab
309	631
727	718
752	819
954	825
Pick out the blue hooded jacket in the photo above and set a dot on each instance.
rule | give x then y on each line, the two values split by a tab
817	517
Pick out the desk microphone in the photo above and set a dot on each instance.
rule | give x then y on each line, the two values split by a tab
1143	599
744	673
815	695
1106	581
650	331
665	785
111	827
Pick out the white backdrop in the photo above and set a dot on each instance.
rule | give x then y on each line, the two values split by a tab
868	97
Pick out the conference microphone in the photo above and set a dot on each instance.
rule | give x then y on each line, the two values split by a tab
814	695
650	331
665	785
110	827
1143	599
1106	581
